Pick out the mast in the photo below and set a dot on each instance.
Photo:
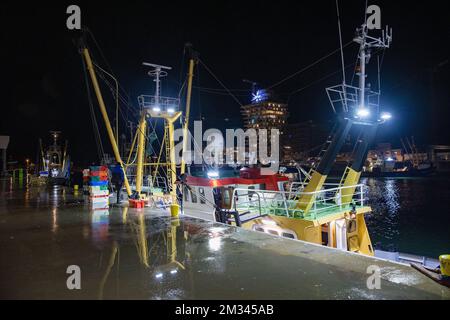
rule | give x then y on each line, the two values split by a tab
157	72
366	43
166	108
192	61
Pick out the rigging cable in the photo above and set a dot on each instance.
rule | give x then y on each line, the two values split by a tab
220	82
97	137
116	97
308	66
342	56
104	57
317	81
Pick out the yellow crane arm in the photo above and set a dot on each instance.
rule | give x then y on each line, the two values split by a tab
102	106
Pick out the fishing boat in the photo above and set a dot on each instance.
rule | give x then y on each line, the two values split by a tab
54	161
312	209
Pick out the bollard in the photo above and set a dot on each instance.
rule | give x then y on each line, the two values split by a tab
174	210
445	264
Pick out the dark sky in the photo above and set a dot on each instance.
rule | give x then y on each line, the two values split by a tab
265	41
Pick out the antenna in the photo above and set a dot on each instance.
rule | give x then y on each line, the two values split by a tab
360	102
157	72
253	83
366	43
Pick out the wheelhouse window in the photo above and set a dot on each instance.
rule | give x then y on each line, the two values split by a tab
193	195
186	193
201	191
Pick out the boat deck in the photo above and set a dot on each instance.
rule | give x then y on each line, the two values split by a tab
323	213
129	253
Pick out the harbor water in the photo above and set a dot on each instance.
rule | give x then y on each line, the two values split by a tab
410	215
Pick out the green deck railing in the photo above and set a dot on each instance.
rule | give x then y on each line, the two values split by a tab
327	201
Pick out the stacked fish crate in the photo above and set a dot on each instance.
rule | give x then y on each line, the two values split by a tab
86	175
98	187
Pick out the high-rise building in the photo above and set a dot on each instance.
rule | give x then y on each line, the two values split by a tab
265	112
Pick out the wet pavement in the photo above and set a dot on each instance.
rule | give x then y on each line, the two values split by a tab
126	253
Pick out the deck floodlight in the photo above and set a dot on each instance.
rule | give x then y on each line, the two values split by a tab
363	112
170	110
156	109
213	174
386	116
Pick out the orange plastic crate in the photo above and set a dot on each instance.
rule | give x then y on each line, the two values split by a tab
136	203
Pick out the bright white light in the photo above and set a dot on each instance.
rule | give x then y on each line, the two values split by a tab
213	174
215	244
389	159
173	271
158	275
156	109
216	229
363	113
386	116
170	110
269	222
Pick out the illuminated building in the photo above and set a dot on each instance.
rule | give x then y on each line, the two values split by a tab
265	112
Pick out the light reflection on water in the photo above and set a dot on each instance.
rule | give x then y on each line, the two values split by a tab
133	254
409	215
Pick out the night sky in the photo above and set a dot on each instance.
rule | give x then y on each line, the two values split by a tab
43	86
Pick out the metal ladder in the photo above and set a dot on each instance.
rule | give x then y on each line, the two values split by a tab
344	176
167	145
322	152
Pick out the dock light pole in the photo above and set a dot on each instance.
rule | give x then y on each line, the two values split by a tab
101	103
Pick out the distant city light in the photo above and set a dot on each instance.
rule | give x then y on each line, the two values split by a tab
174	271
156	109
158	275
386	116
170	110
363	112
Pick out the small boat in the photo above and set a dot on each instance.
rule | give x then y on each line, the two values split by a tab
422	170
